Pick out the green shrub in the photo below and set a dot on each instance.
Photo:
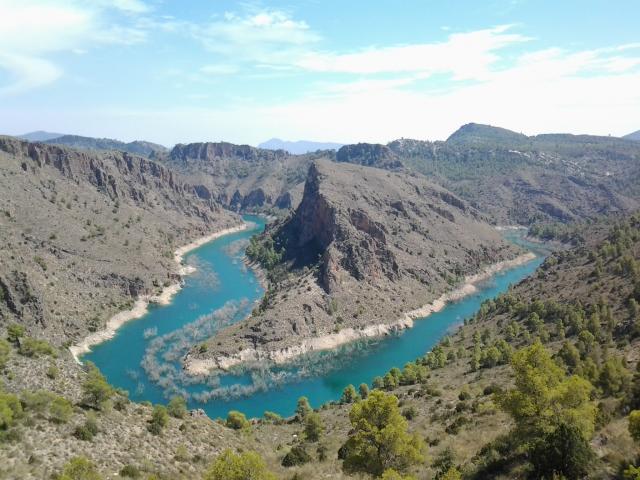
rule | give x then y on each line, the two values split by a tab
244	466
159	419
313	427
295	457
349	395
96	389
5	352
130	471
15	332
272	417
79	468
32	347
60	410
177	407
10	410
237	420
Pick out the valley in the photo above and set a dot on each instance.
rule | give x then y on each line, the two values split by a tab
383	266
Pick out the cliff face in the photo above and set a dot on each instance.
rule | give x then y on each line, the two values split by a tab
85	232
241	177
364	247
369	155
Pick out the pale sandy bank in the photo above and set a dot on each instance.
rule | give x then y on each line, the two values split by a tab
196	366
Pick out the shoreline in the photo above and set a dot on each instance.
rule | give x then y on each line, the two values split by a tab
141	304
195	366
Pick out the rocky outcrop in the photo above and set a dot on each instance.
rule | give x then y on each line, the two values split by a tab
364	246
244	178
369	155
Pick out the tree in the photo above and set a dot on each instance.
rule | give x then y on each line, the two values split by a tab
380	439
303	408
237	420
245	466
79	468
544	396
177	407
96	389
159	419
313	427
349	394
364	390
378	382
563	453
614	377
634	425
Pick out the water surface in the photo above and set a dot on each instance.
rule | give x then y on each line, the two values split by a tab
143	357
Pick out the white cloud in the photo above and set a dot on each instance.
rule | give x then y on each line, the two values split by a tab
266	36
219	69
464	55
33	30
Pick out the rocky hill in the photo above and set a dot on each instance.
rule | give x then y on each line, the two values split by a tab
369	155
137	147
519	179
633	136
241	177
39	136
364	247
84	233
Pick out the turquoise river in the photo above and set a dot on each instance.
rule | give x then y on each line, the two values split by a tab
144	355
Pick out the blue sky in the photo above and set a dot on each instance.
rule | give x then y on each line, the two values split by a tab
182	71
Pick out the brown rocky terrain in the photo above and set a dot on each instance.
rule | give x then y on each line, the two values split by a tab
84	233
364	247
241	177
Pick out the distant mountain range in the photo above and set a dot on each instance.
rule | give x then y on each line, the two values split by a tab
299	147
137	147
633	136
39	136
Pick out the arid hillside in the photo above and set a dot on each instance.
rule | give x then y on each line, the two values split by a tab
84	233
364	247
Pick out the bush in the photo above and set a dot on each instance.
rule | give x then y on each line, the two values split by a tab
245	466
364	390
296	456
349	395
130	471
313	427
79	468
237	420
159	419
177	407
5	352
379	439
409	413
303	408
272	417
32	347
15	332
10	410
96	389
87	431
564	452
60	410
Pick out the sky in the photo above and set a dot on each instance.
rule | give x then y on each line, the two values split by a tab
325	70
